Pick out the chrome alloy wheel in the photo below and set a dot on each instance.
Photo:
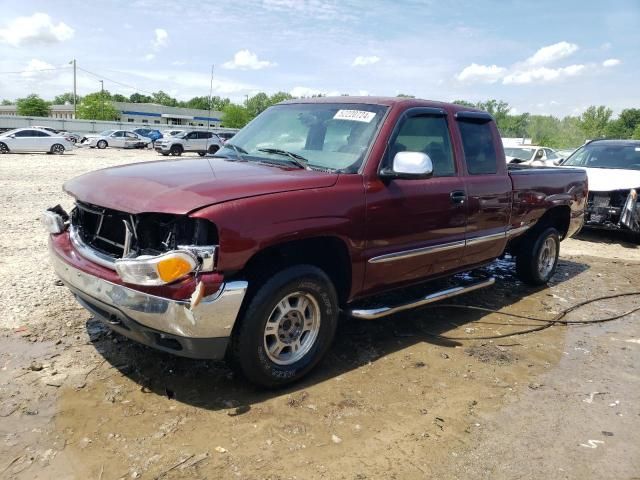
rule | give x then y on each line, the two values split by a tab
292	328
57	149
547	257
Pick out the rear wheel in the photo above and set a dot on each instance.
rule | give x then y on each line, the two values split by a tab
57	149
3	148
102	144
286	328
202	154
176	150
537	257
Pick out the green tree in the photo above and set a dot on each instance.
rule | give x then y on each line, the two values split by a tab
65	98
7	102
164	98
279	97
140	98
514	125
32	106
594	121
465	103
258	104
636	133
118	97
624	125
235	116
404	95
199	103
97	106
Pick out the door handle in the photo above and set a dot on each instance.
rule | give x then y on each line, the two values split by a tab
458	197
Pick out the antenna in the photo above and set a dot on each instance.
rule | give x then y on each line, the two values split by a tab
209	116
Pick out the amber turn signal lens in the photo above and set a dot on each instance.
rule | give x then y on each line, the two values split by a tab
173	268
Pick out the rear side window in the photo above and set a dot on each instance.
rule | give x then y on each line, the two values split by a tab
479	150
427	134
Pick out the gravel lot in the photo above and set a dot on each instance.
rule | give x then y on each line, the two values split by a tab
413	396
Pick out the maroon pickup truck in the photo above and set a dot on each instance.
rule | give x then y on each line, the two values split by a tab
318	206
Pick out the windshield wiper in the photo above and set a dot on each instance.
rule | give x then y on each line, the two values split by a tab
296	159
239	150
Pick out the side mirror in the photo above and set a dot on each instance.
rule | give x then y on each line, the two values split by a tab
558	161
409	165
12	135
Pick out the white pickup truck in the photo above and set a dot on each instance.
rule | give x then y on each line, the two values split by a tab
189	141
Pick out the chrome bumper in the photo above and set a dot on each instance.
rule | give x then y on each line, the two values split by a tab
213	317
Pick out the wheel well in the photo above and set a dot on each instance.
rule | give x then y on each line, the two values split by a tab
330	254
557	217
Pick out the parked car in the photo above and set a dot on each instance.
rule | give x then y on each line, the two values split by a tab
150	133
225	136
613	168
116	138
72	137
252	253
172	132
33	140
532	155
191	141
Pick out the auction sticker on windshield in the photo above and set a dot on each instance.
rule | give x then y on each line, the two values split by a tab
354	115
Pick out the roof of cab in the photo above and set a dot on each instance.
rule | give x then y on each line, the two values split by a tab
386	101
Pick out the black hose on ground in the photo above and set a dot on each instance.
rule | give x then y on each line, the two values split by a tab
547	323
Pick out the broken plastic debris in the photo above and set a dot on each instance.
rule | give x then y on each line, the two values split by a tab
221	449
196	296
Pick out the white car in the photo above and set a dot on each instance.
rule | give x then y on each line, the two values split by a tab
190	141
116	138
613	170
33	140
172	133
532	155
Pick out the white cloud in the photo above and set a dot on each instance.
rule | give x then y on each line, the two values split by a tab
38	28
361	61
149	56
162	38
552	53
246	60
611	62
541	74
35	67
481	73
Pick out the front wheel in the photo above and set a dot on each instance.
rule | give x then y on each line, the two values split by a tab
537	257
57	149
202	154
287	327
176	150
3	148
102	144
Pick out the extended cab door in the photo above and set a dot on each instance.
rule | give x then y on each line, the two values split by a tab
488	186
416	227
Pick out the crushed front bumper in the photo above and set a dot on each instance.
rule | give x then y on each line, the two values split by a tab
161	323
615	210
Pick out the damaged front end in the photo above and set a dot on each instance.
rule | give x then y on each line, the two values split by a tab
614	210
145	249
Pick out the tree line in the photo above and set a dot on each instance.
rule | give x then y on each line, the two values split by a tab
547	130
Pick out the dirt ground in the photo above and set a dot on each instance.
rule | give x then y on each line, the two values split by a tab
439	392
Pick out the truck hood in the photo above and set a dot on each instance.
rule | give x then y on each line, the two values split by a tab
181	186
608	179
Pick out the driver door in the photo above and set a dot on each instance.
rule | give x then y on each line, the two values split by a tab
117	139
416	227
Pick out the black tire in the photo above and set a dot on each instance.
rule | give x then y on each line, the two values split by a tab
536	263
102	144
176	150
247	351
4	148
213	149
165	154
57	149
202	154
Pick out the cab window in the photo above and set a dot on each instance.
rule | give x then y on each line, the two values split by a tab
427	134
479	150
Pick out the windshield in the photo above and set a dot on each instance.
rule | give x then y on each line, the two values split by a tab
602	155
521	153
327	136
106	133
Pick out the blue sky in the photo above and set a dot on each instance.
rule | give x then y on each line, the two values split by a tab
548	57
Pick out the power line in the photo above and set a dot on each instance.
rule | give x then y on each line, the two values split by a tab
35	71
97	75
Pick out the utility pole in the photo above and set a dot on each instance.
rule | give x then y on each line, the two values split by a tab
75	96
102	99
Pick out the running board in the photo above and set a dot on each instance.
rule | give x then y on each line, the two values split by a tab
373	313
